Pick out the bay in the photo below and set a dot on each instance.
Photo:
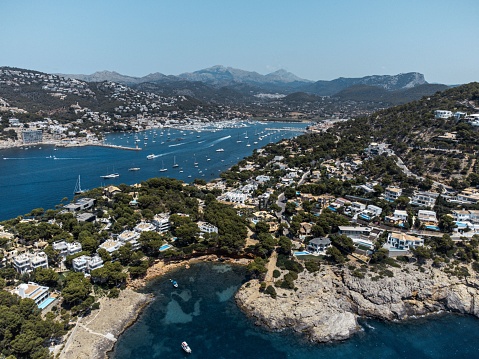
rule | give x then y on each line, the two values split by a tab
202	312
41	176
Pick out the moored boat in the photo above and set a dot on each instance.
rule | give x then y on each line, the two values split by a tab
174	282
186	347
134	169
111	175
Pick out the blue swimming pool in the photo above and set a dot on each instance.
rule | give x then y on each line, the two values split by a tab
303	253
46	302
164	247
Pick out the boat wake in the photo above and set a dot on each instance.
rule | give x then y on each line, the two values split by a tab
177	144
219	140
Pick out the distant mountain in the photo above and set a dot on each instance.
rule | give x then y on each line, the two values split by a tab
387	82
393	97
224	76
113	76
227	85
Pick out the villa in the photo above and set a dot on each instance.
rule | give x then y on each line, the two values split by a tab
28	262
38	293
86	264
319	245
403	242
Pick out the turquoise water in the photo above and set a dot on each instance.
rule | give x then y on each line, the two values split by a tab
202	312
41	177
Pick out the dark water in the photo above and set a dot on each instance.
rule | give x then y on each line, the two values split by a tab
203	313
41	177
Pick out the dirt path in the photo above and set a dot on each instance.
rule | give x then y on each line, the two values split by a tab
95	334
271	267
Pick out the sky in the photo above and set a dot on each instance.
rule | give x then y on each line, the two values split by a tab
313	39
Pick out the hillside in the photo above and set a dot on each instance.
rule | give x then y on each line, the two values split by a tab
387	82
436	148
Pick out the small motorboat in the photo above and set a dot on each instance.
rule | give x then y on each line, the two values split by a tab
186	347
174	282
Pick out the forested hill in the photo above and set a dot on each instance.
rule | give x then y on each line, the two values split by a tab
445	150
442	149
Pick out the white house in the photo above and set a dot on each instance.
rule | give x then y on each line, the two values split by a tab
392	193
144	227
354	232
34	291
162	222
206	227
28	262
67	249
402	241
427	218
424	199
110	245
236	197
130	237
319	245
375	210
442	114
86	264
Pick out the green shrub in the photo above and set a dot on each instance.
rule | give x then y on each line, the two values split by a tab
271	291
312	266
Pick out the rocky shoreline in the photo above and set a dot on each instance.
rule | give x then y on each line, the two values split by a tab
327	304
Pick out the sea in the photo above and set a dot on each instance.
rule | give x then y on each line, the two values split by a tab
202	312
46	176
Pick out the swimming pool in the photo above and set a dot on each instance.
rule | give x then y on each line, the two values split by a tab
303	253
164	247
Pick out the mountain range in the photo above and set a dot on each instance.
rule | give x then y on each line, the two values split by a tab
205	84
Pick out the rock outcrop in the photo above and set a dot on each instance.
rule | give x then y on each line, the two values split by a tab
326	305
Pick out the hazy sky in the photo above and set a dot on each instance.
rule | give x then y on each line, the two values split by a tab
314	39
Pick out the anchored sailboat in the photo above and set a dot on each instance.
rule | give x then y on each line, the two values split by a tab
174	162
78	189
163	168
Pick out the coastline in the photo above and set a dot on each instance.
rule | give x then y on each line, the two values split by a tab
326	305
95	335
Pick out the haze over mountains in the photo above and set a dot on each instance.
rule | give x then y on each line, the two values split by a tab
244	84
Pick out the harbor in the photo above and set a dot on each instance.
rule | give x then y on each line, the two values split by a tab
42	176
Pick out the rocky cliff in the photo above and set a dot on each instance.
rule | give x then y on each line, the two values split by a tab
327	304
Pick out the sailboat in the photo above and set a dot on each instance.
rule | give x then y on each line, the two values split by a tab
163	168
195	163
246	135
78	189
174	162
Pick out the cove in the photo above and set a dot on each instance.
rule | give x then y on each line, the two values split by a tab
202	312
